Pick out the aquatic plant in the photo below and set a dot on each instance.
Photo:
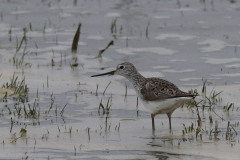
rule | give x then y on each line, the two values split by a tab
105	88
19	88
106	109
113	26
76	39
103	50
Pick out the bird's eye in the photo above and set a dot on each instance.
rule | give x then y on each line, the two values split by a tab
121	67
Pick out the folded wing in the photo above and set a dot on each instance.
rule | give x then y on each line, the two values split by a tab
153	89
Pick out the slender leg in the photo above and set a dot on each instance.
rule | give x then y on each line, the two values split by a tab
153	126
169	117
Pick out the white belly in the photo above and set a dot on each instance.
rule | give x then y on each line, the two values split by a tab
166	105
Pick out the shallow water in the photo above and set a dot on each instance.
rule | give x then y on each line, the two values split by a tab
185	43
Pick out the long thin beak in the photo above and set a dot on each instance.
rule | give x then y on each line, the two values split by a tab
108	73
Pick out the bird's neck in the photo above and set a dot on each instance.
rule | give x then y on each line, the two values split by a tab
135	78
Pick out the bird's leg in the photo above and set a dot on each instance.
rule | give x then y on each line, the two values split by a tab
153	126
169	117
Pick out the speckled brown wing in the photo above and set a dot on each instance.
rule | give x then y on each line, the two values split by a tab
153	89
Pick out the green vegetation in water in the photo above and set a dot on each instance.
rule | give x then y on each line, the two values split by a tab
73	65
30	26
52	63
193	91
19	62
147	29
76	39
114	26
211	101
18	46
52	101
198	130
228	107
10	34
105	88
97	90
61	113
29	111
125	97
19	88
106	109
231	132
103	50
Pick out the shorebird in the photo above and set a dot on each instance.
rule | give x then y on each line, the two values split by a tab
157	95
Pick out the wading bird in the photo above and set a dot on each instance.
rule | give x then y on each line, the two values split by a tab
158	95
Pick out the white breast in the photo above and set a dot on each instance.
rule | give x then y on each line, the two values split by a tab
166	105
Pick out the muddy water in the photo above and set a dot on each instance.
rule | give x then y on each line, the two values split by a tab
185	43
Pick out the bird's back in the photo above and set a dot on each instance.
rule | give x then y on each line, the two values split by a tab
154	89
